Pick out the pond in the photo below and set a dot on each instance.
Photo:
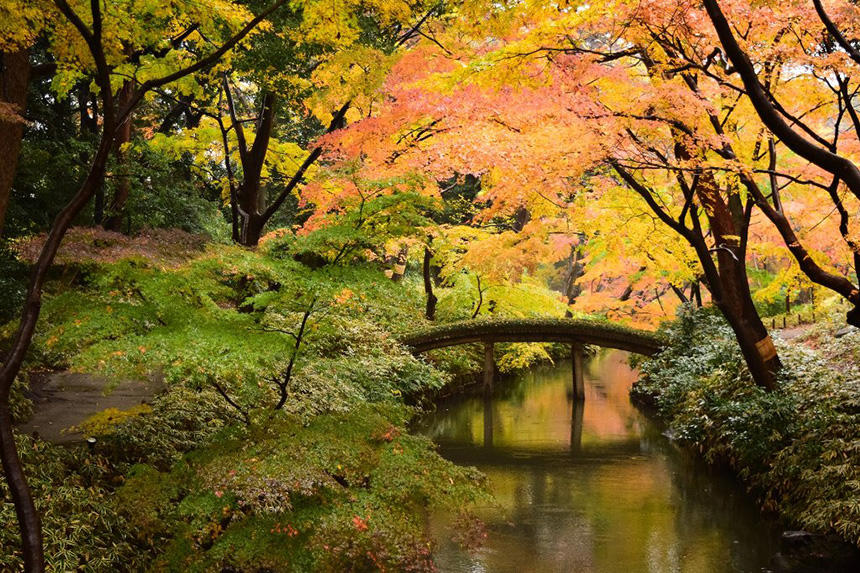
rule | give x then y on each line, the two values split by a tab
593	485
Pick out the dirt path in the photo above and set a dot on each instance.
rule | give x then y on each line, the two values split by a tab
65	399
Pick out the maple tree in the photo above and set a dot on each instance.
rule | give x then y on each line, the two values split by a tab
821	55
327	71
651	106
518	134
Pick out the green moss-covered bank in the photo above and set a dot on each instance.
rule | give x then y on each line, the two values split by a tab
797	448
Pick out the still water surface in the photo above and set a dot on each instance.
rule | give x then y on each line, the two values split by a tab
591	486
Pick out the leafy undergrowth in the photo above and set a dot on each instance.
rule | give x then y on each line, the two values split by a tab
797	448
342	492
336	482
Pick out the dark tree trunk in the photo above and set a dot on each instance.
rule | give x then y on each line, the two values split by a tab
181	109
89	127
398	263
14	81
737	306
122	191
251	230
696	293
250	196
521	219
430	311
575	270
729	223
28	517
628	291
680	294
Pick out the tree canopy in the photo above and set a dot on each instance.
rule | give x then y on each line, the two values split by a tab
200	169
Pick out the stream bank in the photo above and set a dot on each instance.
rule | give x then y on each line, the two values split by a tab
796	449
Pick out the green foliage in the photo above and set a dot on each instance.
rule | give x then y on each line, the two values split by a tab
342	491
166	193
19	403
104	423
796	448
181	420
13	283
519	356
51	164
365	225
72	489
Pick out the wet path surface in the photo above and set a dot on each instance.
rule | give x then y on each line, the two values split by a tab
62	400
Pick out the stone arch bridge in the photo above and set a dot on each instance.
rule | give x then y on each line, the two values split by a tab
576	332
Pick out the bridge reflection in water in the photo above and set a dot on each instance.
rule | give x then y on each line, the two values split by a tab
577	409
589	485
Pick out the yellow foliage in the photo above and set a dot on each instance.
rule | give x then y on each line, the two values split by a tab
104	422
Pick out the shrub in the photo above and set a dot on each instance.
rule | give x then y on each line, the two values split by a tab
82	528
797	448
341	491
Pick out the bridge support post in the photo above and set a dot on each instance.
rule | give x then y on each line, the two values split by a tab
576	354
489	366
576	426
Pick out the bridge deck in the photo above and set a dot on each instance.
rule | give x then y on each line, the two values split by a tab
582	331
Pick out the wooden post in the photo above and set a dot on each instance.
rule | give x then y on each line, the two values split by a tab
489	366
578	375
576	425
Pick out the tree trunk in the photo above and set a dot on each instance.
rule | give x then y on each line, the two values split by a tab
737	306
575	270
430	311
696	293
398	263
89	127
116	210
14	81
251	201
729	223
251	229
521	219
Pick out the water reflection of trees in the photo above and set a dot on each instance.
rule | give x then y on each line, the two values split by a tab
595	488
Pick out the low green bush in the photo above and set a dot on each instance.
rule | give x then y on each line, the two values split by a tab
73	491
797	448
344	491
